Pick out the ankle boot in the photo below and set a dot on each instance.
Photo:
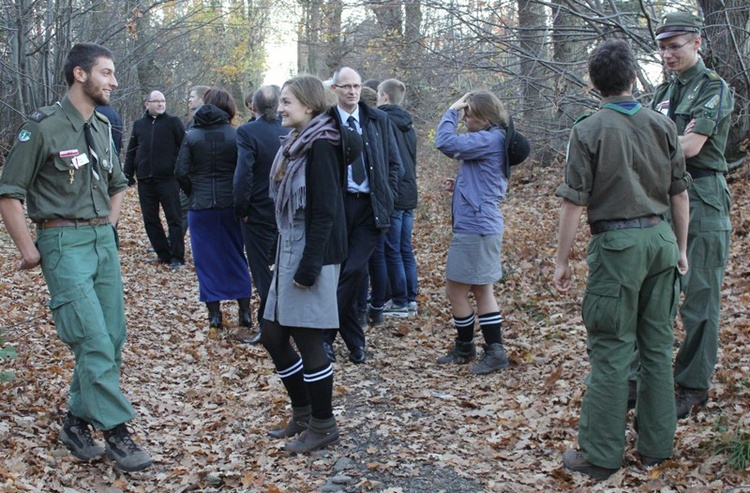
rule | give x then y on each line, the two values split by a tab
214	320
245	319
461	353
296	425
493	359
319	434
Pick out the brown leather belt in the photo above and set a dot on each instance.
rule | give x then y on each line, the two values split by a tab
67	223
641	222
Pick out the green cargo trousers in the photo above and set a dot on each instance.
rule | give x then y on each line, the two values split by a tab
708	250
82	269
631	297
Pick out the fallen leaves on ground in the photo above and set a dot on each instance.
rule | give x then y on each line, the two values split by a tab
204	402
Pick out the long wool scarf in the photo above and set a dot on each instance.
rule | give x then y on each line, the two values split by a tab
288	187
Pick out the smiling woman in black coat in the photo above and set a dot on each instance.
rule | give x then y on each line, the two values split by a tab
205	170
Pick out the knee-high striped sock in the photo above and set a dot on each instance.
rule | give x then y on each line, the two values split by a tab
465	328
319	382
492	327
292	379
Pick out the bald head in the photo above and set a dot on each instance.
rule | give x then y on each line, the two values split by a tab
155	103
347	84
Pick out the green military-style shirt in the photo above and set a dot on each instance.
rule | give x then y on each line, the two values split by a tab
623	162
50	166
699	94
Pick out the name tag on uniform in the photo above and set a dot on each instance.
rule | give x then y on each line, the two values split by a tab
80	160
70	153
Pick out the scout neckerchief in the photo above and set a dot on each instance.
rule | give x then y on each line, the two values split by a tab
629	109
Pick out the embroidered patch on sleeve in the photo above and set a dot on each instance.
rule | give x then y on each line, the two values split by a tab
24	135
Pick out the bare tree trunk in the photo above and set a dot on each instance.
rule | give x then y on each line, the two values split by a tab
335	49
531	34
726	49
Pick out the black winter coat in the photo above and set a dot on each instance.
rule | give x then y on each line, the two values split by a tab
406	140
208	157
325	219
153	147
383	161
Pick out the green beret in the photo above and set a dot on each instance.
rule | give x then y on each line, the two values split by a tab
676	23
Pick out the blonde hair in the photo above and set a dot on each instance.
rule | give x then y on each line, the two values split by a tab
485	105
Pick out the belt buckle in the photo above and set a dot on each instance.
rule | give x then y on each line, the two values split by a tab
99	221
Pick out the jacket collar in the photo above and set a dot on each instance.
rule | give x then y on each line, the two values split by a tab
71	112
692	72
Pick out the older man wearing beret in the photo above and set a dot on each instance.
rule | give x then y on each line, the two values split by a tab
700	103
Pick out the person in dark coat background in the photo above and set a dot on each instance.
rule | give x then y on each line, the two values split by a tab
399	255
117	127
152	151
205	170
257	144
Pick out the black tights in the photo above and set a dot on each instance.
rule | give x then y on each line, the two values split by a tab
309	381
277	340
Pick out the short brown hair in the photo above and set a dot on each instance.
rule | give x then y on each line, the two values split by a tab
200	91
369	96
394	88
222	100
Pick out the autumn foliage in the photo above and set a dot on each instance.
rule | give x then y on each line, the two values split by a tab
408	425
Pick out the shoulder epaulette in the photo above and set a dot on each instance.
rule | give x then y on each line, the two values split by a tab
712	75
42	113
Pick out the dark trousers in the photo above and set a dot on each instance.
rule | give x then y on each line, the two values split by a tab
164	192
363	236
260	246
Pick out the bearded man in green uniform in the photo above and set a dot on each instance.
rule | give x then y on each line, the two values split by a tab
700	103
625	166
64	168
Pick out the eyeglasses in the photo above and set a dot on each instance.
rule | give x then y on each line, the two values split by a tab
673	48
349	87
156	101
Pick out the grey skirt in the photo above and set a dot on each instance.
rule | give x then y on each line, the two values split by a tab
314	307
474	259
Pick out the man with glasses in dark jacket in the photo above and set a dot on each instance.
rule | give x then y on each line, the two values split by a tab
152	153
372	184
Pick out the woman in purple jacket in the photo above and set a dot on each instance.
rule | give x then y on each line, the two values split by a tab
474	255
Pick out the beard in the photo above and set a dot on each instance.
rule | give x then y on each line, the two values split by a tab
97	95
